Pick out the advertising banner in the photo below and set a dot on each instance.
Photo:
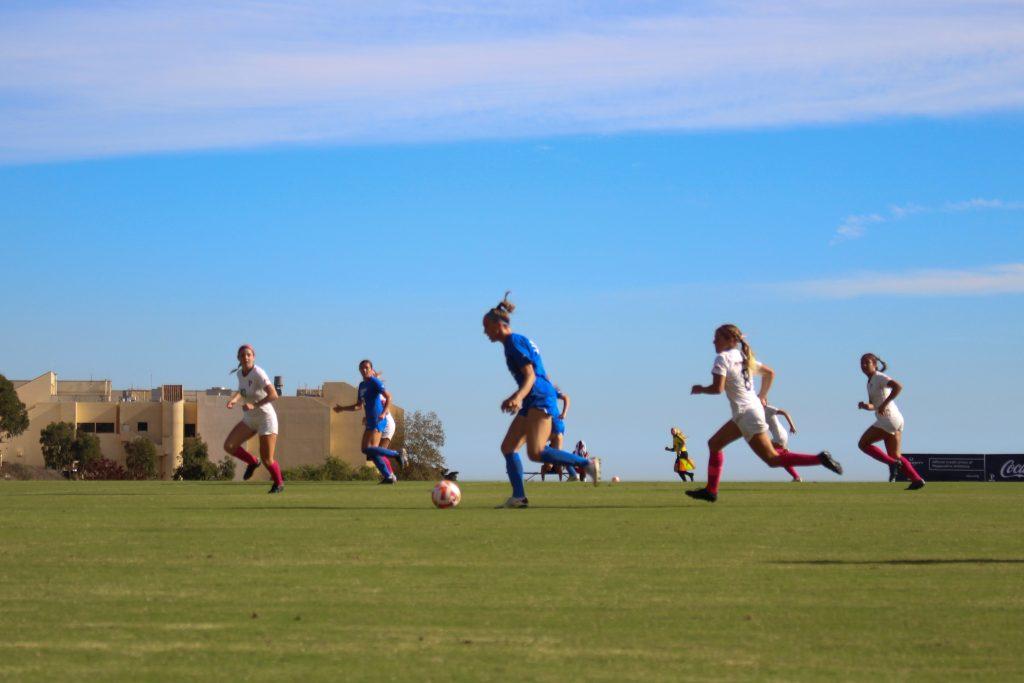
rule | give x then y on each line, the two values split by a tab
967	466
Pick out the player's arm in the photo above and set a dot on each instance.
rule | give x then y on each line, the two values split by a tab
789	419
513	403
269	398
896	388
565	405
767	377
717	386
234	399
338	408
385	397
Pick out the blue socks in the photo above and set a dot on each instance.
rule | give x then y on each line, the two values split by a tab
378	456
514	467
557	457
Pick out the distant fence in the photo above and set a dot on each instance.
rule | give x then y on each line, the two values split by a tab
967	467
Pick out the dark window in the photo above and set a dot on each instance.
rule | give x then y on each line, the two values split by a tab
87	427
142	427
104	427
190	431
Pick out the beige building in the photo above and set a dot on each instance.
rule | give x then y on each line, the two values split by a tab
309	429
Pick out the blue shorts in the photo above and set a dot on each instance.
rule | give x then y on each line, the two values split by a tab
557	425
549	404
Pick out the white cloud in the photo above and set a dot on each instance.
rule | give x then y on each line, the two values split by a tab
855	227
992	280
117	78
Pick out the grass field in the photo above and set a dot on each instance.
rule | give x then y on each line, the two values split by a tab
184	581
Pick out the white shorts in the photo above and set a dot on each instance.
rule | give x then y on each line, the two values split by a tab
890	424
782	438
751	423
389	430
262	421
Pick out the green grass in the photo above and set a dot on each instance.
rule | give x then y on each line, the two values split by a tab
183	581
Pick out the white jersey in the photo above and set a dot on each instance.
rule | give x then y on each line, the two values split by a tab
779	433
253	388
740	391
878	391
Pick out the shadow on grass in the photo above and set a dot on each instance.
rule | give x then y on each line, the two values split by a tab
965	560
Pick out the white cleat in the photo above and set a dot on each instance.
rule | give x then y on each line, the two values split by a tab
594	470
514	502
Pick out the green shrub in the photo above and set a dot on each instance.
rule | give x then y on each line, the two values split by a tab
140	458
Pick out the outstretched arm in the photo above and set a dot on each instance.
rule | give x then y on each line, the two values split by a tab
717	386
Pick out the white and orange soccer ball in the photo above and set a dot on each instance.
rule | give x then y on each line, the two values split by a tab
615	480
446	494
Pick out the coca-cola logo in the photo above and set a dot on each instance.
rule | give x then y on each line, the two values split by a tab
1011	469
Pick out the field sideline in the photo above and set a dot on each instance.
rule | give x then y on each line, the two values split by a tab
351	581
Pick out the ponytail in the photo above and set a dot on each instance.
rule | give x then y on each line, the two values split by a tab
733	333
503	311
880	364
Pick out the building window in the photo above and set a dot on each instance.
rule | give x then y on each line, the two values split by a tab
87	427
104	427
142	427
190	430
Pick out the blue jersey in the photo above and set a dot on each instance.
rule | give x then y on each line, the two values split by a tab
370	391
520	352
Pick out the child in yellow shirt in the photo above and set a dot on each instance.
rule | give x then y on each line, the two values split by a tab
683	466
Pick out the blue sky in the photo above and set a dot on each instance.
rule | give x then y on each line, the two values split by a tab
333	183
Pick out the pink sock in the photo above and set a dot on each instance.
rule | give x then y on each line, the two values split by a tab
792	472
791	459
909	470
879	455
275	472
245	456
715	463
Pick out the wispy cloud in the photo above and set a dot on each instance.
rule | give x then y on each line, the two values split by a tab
101	78
855	227
1000	279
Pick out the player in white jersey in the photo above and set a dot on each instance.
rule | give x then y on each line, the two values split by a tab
256	392
733	373
888	425
780	435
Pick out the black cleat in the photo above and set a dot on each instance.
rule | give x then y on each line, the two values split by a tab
892	471
276	488
829	462
702	494
390	480
915	485
249	470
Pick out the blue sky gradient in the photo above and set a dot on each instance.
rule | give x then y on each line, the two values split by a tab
626	238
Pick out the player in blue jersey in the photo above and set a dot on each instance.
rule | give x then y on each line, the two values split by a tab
374	399
534	404
558	430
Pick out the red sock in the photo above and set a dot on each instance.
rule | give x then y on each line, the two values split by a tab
792	472
275	472
909	470
715	463
245	456
791	459
879	455
387	465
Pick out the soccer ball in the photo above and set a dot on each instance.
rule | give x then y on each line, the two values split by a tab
615	480
446	494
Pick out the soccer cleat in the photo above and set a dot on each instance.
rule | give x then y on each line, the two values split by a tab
403	458
594	470
915	485
573	477
388	480
702	494
795	481
893	470
249	470
276	488
829	462
514	502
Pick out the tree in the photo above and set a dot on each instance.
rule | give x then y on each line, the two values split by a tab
13	415
85	449
422	435
196	465
57	440
140	458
